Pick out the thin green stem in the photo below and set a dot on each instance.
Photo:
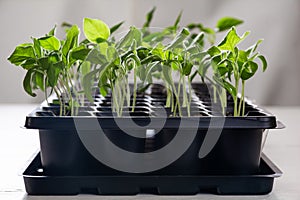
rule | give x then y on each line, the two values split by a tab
177	97
243	95
223	100
119	98
70	87
60	101
189	97
184	92
172	102
169	95
123	96
134	90
45	90
168	100
63	85
127	92
242	100
236	113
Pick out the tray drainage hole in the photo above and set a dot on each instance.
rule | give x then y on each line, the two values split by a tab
40	170
150	133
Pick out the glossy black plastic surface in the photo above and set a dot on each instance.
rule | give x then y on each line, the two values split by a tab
37	182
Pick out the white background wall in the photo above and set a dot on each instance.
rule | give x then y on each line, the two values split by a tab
278	22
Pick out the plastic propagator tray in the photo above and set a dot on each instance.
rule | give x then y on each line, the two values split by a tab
39	183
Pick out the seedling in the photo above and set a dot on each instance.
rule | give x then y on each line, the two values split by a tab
51	63
70	69
229	60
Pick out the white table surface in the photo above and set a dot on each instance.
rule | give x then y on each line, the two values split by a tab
18	145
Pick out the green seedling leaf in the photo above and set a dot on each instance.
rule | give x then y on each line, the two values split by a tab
85	41
141	72
231	40
184	33
43	63
177	21
79	53
21	54
187	68
88	81
143	52
26	45
103	91
149	17
53	73
171	30
95	57
264	62
226	23
28	64
230	88
52	31
214	51
112	54
192	50
201	28
66	25
216	60
175	65
49	43
208	31
167	74
102	47
103	81
89	78
225	84
27	83
155	37
158	51
85	68
127	40
95	30
222	70
38	80
193	26
150	70
253	48
116	27
54	58
132	61
151	58
37	48
210	34
197	40
71	42
242	58
143	88
248	70
200	56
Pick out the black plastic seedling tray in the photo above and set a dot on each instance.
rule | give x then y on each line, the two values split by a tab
237	150
37	182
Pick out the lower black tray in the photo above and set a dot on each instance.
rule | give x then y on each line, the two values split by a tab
38	183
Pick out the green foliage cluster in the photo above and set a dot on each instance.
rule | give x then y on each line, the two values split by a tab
71	68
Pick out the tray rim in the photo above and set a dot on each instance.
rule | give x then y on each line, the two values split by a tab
266	120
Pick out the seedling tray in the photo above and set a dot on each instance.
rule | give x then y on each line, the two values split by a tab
38	182
236	151
150	106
